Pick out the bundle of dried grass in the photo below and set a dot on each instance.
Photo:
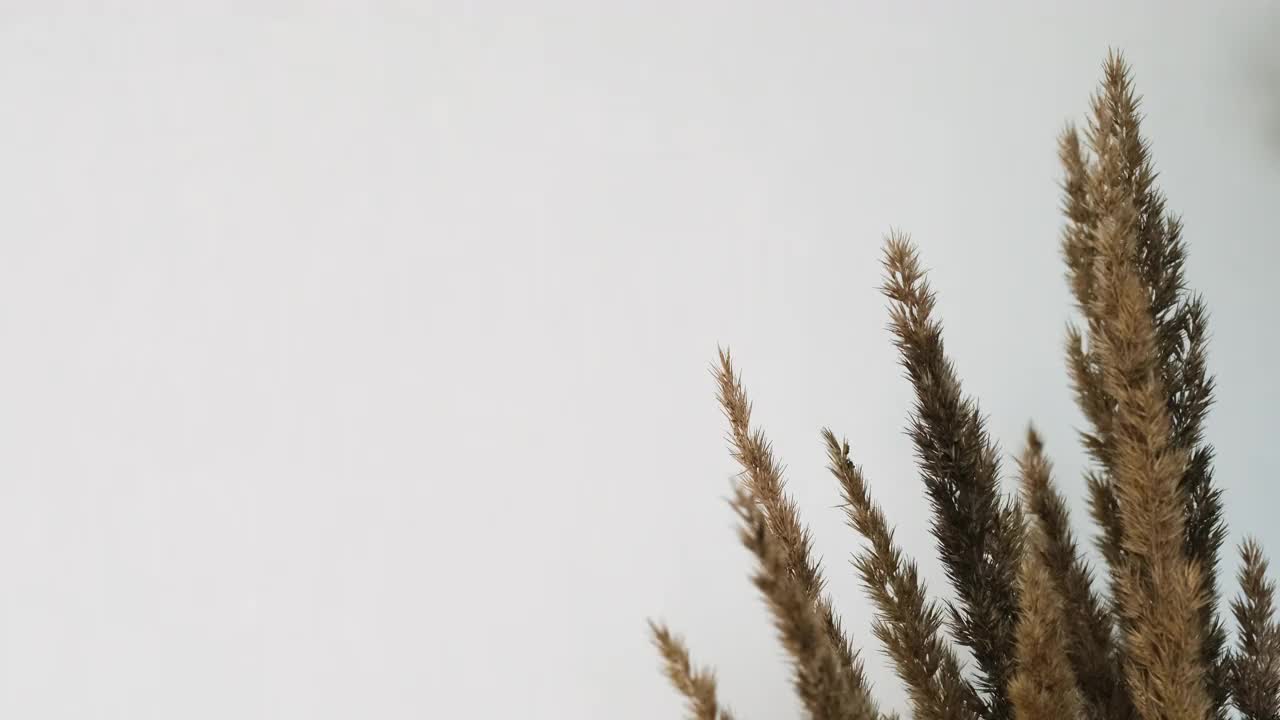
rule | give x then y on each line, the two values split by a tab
1046	644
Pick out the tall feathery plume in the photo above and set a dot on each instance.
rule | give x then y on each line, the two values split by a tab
1044	644
1179	320
762	478
978	533
907	623
1160	589
698	685
821	678
1044	686
1085	616
1255	668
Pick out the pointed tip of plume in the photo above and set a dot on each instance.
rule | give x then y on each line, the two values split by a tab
723	352
723	364
1117	73
898	240
1034	443
899	252
733	401
836	447
1032	461
905	282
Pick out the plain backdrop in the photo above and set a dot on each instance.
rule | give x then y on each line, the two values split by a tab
354	355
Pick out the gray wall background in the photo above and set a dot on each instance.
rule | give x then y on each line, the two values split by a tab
354	356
